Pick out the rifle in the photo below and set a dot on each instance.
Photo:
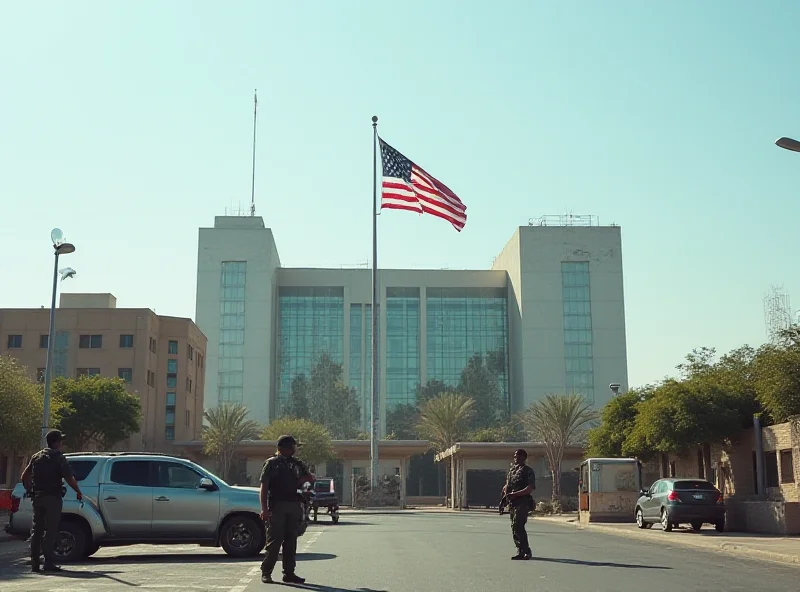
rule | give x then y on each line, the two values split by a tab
503	504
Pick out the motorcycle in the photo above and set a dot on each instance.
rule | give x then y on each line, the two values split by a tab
306	493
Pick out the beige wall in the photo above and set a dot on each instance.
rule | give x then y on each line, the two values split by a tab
144	325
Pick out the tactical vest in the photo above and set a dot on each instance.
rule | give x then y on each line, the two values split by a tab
46	472
285	477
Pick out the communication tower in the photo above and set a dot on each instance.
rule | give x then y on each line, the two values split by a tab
777	313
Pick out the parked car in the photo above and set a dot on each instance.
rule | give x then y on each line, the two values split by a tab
672	502
132	498
325	497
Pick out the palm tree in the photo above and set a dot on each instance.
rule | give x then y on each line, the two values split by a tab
558	421
445	419
227	427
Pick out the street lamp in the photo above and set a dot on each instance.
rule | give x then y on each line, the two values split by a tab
788	144
614	388
60	247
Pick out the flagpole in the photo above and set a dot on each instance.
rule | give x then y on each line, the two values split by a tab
375	416
253	179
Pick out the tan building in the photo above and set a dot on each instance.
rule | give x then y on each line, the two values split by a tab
161	358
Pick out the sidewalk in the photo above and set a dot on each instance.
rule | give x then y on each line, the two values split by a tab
770	548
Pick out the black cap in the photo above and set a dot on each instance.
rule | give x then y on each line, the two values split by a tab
521	451
54	436
285	441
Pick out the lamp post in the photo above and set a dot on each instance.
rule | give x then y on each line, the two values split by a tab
614	388
788	144
60	247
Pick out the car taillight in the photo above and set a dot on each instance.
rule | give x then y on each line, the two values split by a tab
14	504
720	498
673	497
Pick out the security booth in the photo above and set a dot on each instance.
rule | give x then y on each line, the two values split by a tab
608	489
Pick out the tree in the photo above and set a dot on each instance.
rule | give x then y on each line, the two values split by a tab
618	418
228	426
777	380
558	421
100	411
401	422
504	432
445	419
298	406
431	389
22	405
479	384
316	443
331	402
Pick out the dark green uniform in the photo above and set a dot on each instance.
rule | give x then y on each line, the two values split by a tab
48	468
519	477
281	476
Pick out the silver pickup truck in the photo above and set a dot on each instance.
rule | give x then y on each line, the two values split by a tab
132	498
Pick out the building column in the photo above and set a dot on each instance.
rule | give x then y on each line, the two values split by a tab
403	481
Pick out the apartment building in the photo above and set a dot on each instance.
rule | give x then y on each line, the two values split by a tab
160	358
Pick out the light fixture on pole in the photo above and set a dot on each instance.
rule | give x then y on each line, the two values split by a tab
614	388
788	144
60	247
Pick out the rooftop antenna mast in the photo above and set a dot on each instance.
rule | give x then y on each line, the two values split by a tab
253	179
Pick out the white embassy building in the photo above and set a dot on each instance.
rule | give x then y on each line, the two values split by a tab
550	314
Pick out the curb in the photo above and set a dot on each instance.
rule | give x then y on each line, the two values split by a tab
728	547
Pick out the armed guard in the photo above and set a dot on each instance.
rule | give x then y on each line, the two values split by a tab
42	480
520	484
281	508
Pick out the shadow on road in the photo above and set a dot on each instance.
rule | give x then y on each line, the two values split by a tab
597	563
320	588
315	556
329	523
168	558
69	574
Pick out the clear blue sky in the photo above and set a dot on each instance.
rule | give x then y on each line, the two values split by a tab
129	126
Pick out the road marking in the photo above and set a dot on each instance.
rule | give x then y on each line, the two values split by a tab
238	588
311	541
470	525
255	571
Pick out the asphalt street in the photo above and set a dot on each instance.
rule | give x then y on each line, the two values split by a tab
466	552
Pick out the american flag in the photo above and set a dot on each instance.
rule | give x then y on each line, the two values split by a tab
407	187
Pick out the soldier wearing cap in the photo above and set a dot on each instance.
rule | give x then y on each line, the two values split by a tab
281	508
520	484
42	479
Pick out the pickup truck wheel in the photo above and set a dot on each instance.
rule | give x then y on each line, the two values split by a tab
71	542
242	537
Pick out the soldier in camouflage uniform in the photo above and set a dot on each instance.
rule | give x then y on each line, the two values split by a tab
42	480
520	484
281	508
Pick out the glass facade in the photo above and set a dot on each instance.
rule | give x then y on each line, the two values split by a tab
402	346
579	371
311	323
361	358
230	378
462	322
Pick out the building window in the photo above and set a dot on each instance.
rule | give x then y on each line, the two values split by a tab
311	323
358	381
402	346
88	372
465	324
90	342
787	466
190	352
125	374
126	341
40	374
187	420
169	433
577	316
43	341
172	381
771	468
153	345
172	366
14	341
230	374
199	360
173	348
151	379
189	385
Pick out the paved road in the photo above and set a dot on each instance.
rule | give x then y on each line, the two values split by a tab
466	552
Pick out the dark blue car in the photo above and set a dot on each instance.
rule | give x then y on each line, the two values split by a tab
675	501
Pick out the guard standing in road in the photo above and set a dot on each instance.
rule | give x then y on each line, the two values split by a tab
281	508
42	480
520	484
